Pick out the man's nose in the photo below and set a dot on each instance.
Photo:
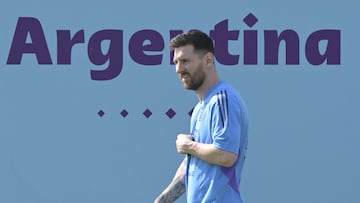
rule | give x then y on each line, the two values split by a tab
180	68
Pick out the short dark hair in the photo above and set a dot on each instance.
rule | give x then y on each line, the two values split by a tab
201	41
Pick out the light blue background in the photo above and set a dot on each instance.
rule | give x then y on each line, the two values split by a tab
54	148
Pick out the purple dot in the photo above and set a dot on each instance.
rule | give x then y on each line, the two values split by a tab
170	113
250	20
124	113
147	113
101	113
191	111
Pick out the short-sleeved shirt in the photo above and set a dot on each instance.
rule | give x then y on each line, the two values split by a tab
220	119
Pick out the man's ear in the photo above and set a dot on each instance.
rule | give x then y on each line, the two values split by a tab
209	57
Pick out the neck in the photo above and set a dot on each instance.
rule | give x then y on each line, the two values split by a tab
210	81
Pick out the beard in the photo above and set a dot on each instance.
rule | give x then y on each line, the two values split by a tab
195	80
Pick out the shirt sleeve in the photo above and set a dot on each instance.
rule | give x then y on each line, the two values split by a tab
225	122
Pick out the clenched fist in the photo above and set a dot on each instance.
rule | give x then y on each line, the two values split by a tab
184	143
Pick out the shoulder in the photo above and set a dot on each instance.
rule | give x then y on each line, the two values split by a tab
223	94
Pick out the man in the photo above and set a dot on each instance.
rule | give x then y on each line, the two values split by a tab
217	142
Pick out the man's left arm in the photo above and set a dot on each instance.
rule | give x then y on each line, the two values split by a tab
207	152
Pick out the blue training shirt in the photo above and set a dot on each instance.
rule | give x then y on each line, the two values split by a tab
220	119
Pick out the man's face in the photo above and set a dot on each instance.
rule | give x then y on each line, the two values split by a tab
189	67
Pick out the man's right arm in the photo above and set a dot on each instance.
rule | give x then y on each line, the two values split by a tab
176	188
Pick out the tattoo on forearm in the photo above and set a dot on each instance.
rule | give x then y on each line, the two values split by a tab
176	187
175	190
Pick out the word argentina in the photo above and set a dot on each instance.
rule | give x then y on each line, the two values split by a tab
146	46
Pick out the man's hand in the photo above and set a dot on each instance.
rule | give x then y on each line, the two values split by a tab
184	143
